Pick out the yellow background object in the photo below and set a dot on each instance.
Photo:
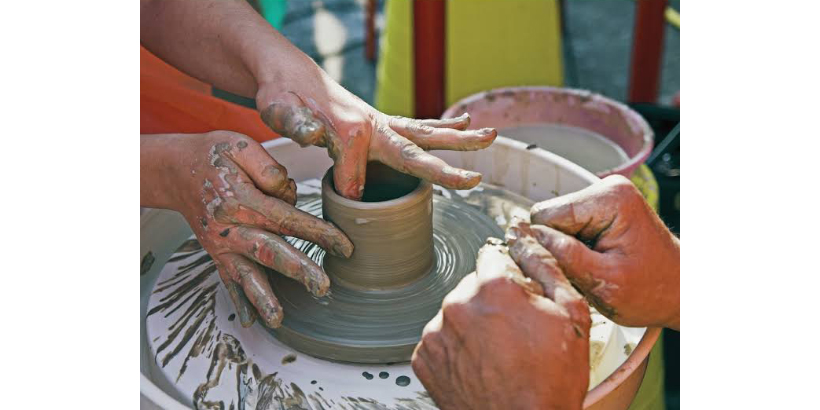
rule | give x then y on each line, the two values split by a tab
395	83
672	17
489	44
493	44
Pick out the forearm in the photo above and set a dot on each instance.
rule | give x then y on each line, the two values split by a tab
224	43
159	165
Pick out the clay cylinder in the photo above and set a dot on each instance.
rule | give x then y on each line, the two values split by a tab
391	230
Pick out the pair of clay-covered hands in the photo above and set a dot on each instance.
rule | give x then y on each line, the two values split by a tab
239	200
515	334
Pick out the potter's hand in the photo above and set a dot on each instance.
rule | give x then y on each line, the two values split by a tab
354	133
296	98
507	339
631	274
238	200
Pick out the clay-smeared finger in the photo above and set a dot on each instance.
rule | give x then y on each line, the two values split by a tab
288	116
240	302
580	264
282	218
350	165
494	261
428	137
534	260
267	174
274	252
537	263
349	177
257	288
402	155
459	123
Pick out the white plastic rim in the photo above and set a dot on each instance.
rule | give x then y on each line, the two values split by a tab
534	173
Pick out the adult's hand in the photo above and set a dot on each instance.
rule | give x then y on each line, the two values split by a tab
631	269
296	98
354	133
508	337
238	200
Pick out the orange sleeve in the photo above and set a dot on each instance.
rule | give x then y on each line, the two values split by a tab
173	102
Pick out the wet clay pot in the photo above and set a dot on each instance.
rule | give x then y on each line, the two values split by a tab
391	229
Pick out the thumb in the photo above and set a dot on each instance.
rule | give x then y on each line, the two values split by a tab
494	262
579	263
288	116
350	167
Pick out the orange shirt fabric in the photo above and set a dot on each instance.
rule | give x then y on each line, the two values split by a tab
174	102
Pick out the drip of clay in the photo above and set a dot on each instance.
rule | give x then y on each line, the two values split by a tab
391	230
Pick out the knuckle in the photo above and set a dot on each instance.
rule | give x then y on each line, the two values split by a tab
416	127
498	292
411	153
541	212
225	210
419	365
616	180
454	313
497	284
622	185
277	174
244	272
229	135
429	337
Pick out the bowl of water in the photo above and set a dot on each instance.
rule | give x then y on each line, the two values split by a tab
599	134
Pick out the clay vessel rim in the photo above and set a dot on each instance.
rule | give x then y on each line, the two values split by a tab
417	194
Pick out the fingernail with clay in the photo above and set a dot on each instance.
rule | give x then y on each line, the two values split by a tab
318	288
343	250
273	315
469	179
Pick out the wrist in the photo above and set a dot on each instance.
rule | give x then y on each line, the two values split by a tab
277	66
160	164
307	81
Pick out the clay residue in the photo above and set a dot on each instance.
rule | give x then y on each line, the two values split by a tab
289	359
146	263
499	204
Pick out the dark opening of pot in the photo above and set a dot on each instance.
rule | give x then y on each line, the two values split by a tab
383	183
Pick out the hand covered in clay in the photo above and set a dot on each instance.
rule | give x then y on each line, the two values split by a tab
238	201
631	270
509	336
354	133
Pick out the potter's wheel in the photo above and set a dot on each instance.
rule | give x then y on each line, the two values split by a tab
199	352
381	326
